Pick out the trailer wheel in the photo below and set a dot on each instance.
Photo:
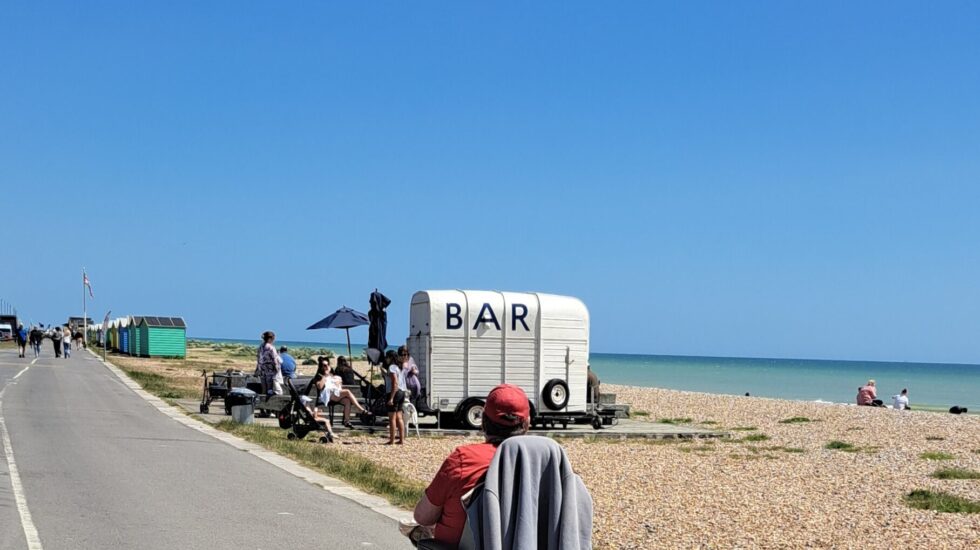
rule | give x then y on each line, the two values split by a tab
596	423
290	436
471	414
555	394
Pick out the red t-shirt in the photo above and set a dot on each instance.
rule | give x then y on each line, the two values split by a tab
459	473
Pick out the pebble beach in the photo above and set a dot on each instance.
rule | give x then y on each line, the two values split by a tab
770	485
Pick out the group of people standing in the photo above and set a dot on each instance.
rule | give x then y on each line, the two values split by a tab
61	338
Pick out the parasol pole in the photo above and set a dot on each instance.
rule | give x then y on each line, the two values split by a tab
349	356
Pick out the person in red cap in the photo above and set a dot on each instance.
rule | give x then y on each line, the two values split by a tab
507	413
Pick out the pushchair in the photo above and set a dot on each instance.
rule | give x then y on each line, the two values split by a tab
297	416
374	400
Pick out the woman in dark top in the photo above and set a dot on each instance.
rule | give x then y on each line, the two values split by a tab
345	372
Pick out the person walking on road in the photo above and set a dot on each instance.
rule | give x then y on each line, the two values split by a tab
66	341
21	340
35	337
56	340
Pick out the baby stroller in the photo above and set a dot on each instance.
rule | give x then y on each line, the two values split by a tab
373	399
297	417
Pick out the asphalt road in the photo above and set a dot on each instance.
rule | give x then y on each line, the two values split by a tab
101	468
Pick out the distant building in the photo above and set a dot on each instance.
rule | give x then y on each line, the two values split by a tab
79	322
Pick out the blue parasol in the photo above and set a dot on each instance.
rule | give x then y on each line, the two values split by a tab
345	318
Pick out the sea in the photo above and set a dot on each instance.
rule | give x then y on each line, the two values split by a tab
932	385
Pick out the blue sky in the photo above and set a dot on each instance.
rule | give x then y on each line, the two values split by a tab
747	179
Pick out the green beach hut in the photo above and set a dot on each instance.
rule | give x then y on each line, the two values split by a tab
134	340
162	337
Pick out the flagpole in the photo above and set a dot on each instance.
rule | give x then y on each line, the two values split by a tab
84	313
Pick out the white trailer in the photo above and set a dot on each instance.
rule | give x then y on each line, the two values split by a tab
465	342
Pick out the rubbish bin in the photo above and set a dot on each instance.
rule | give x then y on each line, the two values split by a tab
241	403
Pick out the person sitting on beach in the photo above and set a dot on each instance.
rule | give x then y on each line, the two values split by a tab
345	372
288	367
901	401
868	396
331	390
506	414
591	386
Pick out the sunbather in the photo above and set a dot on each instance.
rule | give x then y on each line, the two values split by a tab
331	390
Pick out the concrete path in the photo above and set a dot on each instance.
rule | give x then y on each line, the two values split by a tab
97	466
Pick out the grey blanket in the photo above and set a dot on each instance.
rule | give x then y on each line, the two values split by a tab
531	499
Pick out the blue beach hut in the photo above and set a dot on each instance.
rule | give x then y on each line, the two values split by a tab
124	335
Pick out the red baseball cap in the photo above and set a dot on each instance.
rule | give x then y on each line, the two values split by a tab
507	405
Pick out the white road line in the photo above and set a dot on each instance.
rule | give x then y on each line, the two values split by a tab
34	361
22	371
30	532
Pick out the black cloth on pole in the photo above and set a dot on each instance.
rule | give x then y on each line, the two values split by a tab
377	331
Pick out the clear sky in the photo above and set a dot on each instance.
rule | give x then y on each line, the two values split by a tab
768	179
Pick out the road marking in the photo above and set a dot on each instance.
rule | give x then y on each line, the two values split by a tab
34	361
22	371
30	531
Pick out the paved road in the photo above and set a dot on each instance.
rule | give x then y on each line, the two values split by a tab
101	468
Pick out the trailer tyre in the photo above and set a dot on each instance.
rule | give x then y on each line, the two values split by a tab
555	394
471	414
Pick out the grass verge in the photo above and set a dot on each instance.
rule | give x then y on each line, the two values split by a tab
352	468
941	502
158	385
756	437
745	429
955	473
795	420
936	455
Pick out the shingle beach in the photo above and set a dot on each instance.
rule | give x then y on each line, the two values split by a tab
784	492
